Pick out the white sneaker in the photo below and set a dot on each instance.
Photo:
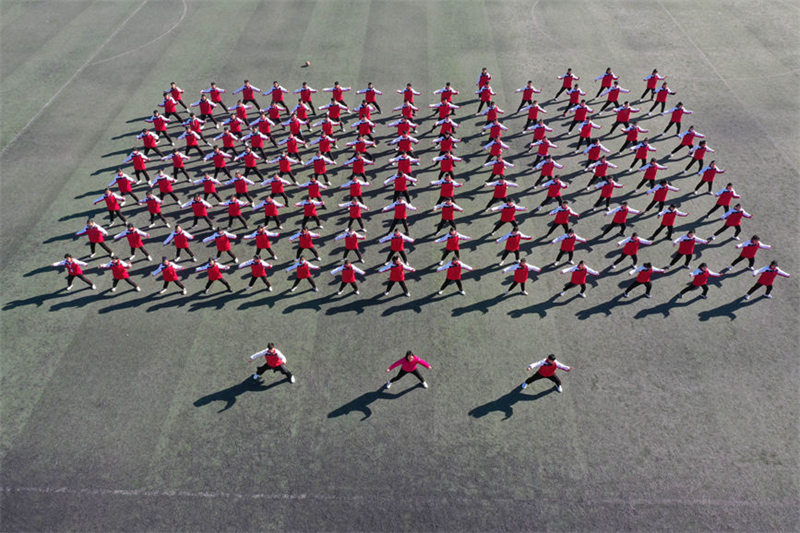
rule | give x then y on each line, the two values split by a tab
498	264
442	262
571	262
293	289
624	294
92	255
647	296
613	267
269	288
168	225
746	296
291	379
316	289
561	293
386	293
555	263
462	292
194	259
255	377
582	295
523	386
439	292
69	287
358	292
149	258
235	259
138	289
389	384
768	296
248	287
408	295
525	293
183	292
131	258
113	289
151	225
162	291
425	384
737	238
338	293
94	287
559	389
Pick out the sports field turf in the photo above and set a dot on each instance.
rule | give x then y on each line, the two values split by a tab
132	411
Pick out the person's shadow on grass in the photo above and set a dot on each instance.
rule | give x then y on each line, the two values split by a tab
363	402
505	403
230	394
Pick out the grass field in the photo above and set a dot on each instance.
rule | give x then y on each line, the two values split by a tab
133	411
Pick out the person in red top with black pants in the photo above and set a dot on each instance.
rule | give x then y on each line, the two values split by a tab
408	365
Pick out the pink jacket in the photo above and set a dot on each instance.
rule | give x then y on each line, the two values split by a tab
409	366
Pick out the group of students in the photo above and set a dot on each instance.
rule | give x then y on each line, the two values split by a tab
275	361
245	126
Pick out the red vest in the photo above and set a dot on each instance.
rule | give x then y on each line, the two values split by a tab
454	272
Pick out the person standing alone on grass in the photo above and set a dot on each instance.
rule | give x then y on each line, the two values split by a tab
546	369
408	365
274	360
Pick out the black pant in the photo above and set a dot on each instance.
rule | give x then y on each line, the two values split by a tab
275	218
601	200
102	245
492	200
396	221
506	252
310	280
644	182
248	170
132	194
81	277
651	91
360	222
480	106
514	284
617	123
622	257
174	114
251	101
153	148
143	249
757	286
677	127
175	171
352	284
176	282
240	218
229	252
178	253
401	283
404	372
677	257
500	224
211	282
571	125
692	162
537	376
737	230
691	286
657	231
154	216
570	285
289	173
442	223
624	145
223	169
750	260
614	104
700	184
717	206
655	104
256	278
647	285
522	104
300	252
196	149
654	202
269	251
280	368
643	161
621	225
561	254
678	148
456	254
138	177
401	253
561	90
325	177
282	195
207	220
129	281
448	281
315	218
355	251
112	214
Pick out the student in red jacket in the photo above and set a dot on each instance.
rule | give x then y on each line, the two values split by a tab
351	239
512	240
766	278
139	161
546	369
214	274
668	220
707	174
749	250
452	244
96	234
248	93
685	246
304	271
181	239
258	270
699	280
567	246
566	82
114	203
620	219
454	270
643	275
408	365
119	271
630	248
73	267
397	274
274	360
222	240
305	240
578	278
521	270
134	237
651	82
262	236
508	214
159	123
349	273
169	273
234	206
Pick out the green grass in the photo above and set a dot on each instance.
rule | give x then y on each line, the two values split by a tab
677	416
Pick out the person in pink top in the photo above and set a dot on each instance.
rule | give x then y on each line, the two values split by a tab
408	365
